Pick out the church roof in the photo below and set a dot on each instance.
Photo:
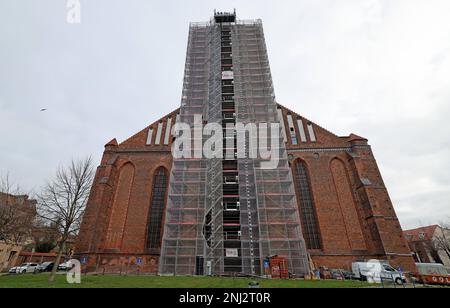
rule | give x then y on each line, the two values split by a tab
300	132
420	234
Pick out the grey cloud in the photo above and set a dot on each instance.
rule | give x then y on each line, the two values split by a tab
376	68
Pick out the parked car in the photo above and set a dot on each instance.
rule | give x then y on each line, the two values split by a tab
45	267
377	272
348	275
13	270
341	274
337	274
26	268
65	266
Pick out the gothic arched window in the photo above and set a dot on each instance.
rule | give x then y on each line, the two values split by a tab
157	206
307	208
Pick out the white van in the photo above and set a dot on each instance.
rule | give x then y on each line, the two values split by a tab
374	271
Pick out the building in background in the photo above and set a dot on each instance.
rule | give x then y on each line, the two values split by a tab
9	254
151	212
430	244
17	214
38	257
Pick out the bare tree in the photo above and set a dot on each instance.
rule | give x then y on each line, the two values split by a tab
433	249
45	235
63	200
442	238
17	213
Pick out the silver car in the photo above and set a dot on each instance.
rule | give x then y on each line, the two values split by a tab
26	268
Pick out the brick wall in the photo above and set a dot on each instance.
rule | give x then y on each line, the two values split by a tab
355	215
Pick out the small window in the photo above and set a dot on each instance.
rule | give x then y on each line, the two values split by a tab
312	135
149	136
366	181
301	130
159	134
388	268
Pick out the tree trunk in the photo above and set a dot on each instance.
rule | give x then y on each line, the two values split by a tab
61	245
447	251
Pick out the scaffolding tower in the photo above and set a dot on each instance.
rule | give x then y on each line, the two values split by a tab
229	215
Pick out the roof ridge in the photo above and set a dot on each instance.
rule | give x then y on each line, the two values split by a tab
422	228
328	131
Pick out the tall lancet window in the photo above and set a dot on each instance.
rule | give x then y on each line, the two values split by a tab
157	206
307	208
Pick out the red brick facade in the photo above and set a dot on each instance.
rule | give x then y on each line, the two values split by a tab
355	216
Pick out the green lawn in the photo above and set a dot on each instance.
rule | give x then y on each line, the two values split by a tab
40	281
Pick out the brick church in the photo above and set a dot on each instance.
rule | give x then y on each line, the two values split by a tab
326	204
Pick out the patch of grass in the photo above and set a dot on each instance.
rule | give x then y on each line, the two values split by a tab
41	281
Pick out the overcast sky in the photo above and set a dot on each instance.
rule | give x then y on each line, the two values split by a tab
380	69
